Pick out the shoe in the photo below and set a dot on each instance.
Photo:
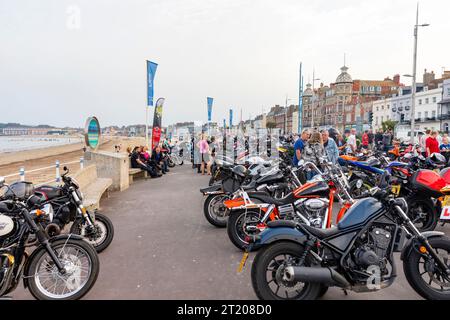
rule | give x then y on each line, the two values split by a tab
164	172
167	170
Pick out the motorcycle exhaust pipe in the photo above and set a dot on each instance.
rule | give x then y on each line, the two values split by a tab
326	276
52	230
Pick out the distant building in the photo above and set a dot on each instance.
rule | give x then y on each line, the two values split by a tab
444	107
345	103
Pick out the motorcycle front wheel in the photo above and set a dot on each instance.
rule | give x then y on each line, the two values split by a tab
268	269
81	264
424	275
99	236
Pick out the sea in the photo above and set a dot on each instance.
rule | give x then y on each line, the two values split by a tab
20	143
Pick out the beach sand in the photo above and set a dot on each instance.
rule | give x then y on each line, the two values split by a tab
10	163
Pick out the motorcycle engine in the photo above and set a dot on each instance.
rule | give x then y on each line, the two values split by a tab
374	250
314	210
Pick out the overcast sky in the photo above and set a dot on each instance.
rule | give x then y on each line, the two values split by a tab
58	68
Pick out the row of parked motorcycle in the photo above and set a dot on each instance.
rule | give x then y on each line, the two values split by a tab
305	244
35	247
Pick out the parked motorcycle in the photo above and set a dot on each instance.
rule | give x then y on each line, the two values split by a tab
67	203
311	203
276	182
60	268
298	261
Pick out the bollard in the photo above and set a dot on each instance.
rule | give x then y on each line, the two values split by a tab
81	163
58	177
22	174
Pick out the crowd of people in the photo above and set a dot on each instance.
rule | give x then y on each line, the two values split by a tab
203	156
311	146
154	162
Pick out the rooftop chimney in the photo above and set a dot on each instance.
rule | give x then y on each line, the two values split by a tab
397	79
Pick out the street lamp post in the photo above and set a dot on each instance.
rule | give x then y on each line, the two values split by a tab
285	113
413	90
313	96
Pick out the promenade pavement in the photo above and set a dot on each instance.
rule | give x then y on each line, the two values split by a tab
165	249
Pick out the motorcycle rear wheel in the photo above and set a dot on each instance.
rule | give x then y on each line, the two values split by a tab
423	214
266	273
236	227
213	202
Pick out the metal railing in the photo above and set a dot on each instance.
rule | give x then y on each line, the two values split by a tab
56	166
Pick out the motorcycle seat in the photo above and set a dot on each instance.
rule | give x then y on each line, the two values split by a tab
265	198
321	233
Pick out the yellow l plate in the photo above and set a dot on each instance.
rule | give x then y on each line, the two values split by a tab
242	263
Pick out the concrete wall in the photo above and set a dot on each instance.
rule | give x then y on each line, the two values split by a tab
110	165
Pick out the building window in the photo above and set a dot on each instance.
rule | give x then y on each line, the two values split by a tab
382	107
388	107
420	101
376	120
349	117
419	115
426	114
377	108
427	101
434	99
433	114
446	127
381	119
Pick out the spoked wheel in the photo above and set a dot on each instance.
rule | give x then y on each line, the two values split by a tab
170	162
268	278
423	214
215	211
423	273
81	265
242	224
100	235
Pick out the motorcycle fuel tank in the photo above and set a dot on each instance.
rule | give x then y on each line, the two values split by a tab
360	212
313	189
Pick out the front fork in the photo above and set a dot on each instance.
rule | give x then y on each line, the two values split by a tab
42	238
82	210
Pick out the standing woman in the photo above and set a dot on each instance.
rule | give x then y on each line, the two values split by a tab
212	151
204	152
312	152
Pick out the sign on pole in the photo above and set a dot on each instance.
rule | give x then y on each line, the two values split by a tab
157	122
92	133
210	104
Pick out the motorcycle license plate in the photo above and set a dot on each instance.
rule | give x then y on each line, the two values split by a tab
445	213
243	261
396	189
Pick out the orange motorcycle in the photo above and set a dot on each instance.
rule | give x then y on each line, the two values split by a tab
311	203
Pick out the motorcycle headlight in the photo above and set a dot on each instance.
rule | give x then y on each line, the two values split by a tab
79	194
75	183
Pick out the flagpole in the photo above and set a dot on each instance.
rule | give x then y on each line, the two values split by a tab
146	126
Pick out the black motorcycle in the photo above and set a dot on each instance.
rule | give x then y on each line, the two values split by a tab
300	262
67	203
60	268
276	182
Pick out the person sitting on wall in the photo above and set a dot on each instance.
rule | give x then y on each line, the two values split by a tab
138	162
158	160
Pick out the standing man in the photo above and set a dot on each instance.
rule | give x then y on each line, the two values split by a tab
365	140
299	146
378	139
432	144
387	138
351	142
330	146
371	138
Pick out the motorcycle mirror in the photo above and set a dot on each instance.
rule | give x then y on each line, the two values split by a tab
65	168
